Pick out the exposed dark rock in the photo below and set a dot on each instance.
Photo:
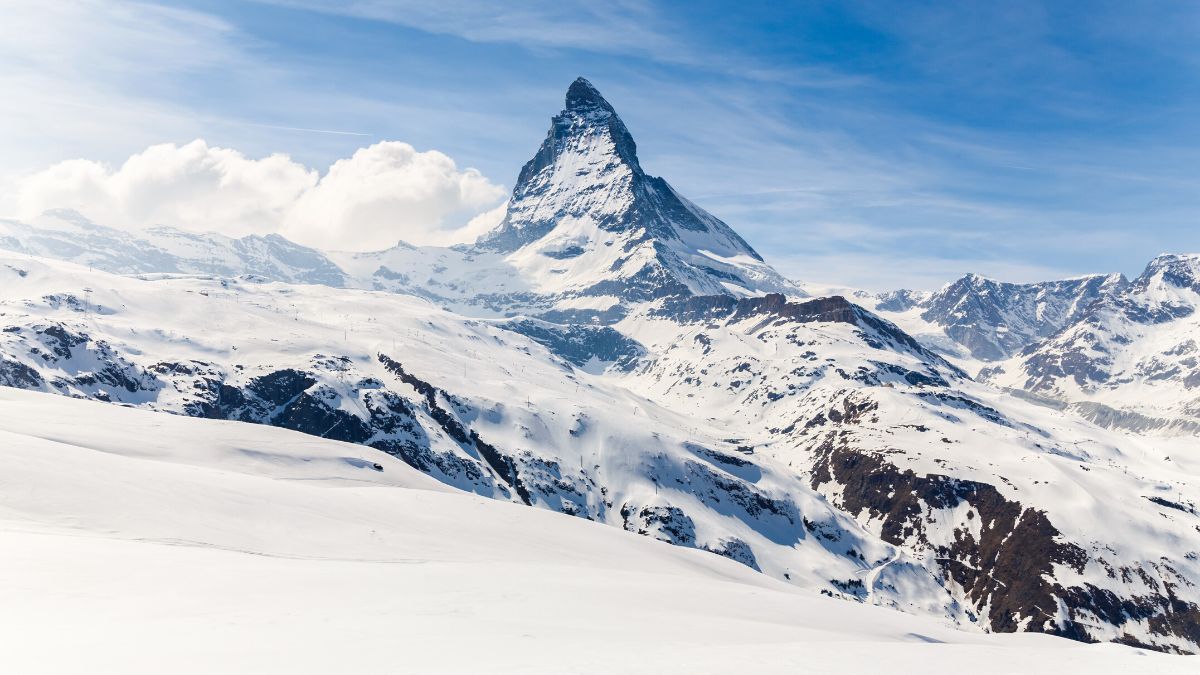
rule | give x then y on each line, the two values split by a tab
580	344
1009	568
665	523
313	412
281	387
501	464
565	253
16	374
735	549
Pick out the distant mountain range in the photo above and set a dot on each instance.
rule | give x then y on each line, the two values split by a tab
1017	457
993	320
1122	354
1131	360
67	235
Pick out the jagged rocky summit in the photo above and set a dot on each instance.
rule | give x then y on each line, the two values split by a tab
583	206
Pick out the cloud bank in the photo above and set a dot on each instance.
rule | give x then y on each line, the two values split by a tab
387	192
382	194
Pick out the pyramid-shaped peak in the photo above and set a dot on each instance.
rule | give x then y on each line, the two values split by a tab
583	207
583	96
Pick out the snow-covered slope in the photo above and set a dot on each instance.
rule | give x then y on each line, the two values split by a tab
466	280
1132	361
449	395
1037	520
980	319
743	410
137	542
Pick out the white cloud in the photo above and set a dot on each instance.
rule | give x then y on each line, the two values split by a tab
193	186
482	223
387	192
382	194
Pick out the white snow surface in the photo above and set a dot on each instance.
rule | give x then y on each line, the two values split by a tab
141	542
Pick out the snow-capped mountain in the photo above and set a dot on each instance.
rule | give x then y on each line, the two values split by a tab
67	235
585	219
614	353
810	440
586	232
986	320
1131	361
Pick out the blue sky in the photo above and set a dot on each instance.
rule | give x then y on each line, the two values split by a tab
863	143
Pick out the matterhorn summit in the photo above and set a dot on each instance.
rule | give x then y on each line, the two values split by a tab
586	220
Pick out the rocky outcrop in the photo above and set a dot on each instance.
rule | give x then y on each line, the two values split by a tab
1006	557
582	345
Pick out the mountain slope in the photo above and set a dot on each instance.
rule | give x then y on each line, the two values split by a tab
448	395
1035	519
650	390
743	409
246	549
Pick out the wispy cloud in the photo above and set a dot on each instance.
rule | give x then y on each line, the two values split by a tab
616	26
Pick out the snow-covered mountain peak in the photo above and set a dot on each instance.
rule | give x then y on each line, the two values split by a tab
583	96
587	235
585	220
1178	270
68	235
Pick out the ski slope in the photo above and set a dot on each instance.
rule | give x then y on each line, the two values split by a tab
142	542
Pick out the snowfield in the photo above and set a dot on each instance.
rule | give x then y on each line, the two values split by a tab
142	542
